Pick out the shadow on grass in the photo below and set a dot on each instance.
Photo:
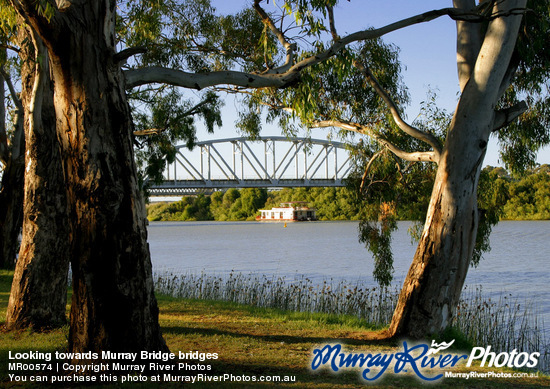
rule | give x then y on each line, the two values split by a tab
370	338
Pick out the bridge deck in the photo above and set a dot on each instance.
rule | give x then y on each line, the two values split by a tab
274	162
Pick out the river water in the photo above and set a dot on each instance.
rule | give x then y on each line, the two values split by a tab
518	263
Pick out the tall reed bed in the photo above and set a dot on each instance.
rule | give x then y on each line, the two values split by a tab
299	294
505	323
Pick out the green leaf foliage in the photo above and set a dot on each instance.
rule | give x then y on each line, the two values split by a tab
332	90
8	21
521	140
187	209
529	198
166	118
189	35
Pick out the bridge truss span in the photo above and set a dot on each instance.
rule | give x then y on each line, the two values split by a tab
269	162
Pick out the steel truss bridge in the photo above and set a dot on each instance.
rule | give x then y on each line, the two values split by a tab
270	162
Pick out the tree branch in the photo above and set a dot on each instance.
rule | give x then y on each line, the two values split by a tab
506	116
123	55
13	92
156	74
136	77
289	47
455	14
468	43
367	169
419	156
404	126
191	111
149	131
10	47
332	24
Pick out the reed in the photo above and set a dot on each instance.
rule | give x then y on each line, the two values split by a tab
504	323
299	294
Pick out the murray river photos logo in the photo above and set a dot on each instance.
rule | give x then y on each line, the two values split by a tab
417	359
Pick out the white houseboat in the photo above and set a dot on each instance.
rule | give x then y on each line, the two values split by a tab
288	212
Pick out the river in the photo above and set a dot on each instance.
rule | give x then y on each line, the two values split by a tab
518	263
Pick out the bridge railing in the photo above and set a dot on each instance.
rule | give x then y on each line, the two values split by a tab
266	162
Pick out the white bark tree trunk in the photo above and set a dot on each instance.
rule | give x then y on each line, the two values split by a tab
432	288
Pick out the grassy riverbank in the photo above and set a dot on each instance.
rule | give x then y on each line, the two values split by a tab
255	342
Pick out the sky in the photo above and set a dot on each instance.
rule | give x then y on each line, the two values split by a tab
427	52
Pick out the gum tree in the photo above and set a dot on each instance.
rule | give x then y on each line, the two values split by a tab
502	72
489	65
38	297
113	304
95	183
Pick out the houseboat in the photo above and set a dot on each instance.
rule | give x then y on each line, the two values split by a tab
288	212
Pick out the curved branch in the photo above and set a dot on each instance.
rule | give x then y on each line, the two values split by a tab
123	55
340	124
418	156
274	77
332	24
367	169
404	126
453	13
289	47
269	22
13	92
157	74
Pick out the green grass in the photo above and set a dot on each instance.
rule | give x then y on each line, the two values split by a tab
284	315
253	341
504	323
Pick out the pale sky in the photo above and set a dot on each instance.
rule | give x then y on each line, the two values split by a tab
427	53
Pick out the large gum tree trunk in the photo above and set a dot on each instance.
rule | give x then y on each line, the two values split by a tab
113	305
432	288
435	279
11	187
39	288
11	209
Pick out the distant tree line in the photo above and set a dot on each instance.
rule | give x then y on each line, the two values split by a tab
511	198
243	204
525	197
